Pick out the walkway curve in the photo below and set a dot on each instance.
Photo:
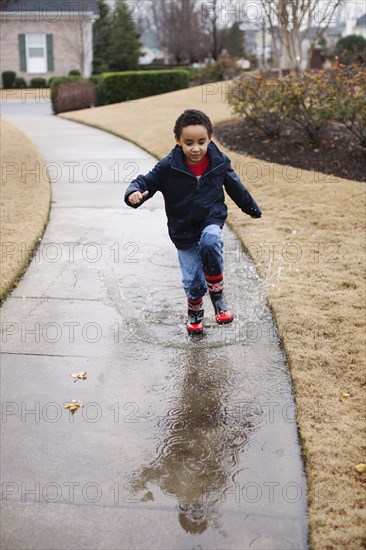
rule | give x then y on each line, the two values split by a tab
181	443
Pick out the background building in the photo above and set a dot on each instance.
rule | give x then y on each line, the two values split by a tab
43	38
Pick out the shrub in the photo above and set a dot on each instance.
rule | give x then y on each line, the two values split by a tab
74	72
55	94
225	68
8	79
99	66
194	75
349	84
98	88
38	82
54	80
260	101
73	95
129	85
351	49
20	83
310	102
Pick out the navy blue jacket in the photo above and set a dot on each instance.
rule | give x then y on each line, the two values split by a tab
192	203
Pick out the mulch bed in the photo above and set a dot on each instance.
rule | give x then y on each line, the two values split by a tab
339	153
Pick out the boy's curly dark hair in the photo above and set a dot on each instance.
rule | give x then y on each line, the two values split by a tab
192	117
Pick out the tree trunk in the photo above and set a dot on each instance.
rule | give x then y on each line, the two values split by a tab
295	19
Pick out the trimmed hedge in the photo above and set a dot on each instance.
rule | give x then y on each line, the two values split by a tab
53	83
97	81
38	82
54	80
165	67
8	79
20	83
71	96
129	85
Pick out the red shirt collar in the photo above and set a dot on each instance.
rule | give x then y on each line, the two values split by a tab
200	167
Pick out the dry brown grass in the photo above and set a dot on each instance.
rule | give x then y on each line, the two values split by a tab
25	203
318	300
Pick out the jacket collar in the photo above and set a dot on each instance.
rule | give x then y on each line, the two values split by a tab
215	155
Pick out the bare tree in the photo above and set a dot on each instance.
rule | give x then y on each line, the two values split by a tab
180	29
217	16
211	14
296	20
80	44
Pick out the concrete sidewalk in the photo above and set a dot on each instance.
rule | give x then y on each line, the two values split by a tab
181	443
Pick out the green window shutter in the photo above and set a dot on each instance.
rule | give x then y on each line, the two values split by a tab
22	56
49	39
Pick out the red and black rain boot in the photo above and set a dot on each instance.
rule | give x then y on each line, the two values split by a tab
223	313
194	322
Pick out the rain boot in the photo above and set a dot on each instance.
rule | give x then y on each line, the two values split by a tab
194	324
223	313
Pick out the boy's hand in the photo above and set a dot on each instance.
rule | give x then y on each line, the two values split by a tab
137	197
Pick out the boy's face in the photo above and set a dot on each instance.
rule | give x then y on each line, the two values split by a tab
194	141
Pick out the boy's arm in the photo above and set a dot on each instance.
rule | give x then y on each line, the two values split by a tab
240	195
146	185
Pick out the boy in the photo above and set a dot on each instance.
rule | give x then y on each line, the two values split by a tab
191	179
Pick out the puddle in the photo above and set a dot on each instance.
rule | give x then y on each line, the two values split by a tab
224	440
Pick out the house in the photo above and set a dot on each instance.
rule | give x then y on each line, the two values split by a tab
151	52
47	38
259	41
359	26
333	34
250	31
342	29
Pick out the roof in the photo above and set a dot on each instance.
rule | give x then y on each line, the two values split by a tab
149	39
361	21
335	30
48	6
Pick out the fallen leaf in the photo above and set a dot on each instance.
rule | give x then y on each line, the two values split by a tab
346	394
73	406
361	468
148	496
79	375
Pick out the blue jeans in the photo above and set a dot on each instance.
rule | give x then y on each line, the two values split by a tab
204	257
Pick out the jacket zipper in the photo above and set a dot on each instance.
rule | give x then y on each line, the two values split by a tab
204	175
218	166
198	178
188	174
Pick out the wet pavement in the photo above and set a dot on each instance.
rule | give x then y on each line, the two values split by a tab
182	442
